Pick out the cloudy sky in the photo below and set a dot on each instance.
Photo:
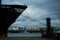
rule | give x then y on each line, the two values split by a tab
37	12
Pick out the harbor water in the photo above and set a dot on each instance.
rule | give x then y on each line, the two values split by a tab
24	35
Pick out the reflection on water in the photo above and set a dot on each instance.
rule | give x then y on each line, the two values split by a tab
24	35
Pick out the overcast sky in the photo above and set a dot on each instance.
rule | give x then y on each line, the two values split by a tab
37	12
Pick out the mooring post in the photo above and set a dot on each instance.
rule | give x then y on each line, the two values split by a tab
48	32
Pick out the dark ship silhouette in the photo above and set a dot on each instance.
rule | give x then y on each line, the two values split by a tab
8	14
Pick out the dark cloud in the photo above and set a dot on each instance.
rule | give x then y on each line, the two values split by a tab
38	10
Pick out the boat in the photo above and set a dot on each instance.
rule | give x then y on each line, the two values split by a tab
8	15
